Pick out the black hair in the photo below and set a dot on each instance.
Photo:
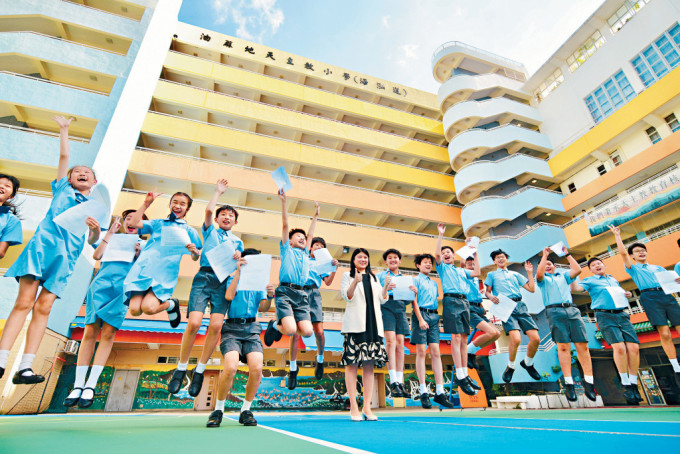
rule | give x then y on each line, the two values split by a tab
499	252
15	187
391	251
70	171
250	251
593	259
125	214
352	268
634	245
446	247
228	208
420	257
294	231
470	258
678	242
318	239
184	194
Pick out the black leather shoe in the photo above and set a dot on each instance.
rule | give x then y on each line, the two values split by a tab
176	381
318	371
425	401
196	384
404	393
589	391
629	395
464	386
247	418
472	361
21	379
174	322
395	390
507	375
292	379
442	400
2	371
72	401
85	403
636	390
215	419
473	384
570	392
271	335
531	370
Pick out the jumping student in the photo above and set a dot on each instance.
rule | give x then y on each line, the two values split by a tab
206	288
661	309
47	260
153	277
566	324
316	314
10	225
478	317
506	282
425	331
456	312
395	324
241	342
104	313
614	324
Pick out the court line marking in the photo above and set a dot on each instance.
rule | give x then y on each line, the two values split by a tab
317	441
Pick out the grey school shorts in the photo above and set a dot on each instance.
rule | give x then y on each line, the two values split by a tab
616	327
477	314
394	316
660	308
315	306
456	314
206	288
291	302
243	339
566	324
520	319
428	336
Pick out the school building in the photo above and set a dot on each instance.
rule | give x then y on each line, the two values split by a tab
521	161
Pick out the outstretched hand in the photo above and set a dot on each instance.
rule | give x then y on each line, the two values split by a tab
63	122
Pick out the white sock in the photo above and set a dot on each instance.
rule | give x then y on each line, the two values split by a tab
81	374
182	366
400	377
4	356
393	375
319	358
26	363
465	371
171	305
276	327
200	367
528	361
633	379
511	364
674	363
459	373
293	366
219	404
624	379
472	348
588	379
92	380
423	388
439	389
569	380
246	405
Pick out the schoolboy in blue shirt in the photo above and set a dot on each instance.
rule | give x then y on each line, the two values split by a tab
207	289
241	342
506	282
425	331
478	317
661	309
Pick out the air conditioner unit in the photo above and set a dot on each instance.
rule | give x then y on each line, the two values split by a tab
71	347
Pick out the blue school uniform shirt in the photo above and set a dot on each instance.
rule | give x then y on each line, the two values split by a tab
506	282
643	275
474	295
10	227
245	303
428	292
294	264
213	237
381	277
555	287
454	279
314	278
677	268
596	286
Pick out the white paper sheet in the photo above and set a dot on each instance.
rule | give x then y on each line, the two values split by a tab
221	260
474	242
557	249
281	179
466	251
503	309
255	273
73	219
667	281
174	240
619	296
121	248
402	290
322	262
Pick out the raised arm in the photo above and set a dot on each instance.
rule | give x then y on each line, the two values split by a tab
531	285
576	287
328	280
64	123
231	290
574	267
220	188
265	304
438	248
312	226
349	285
540	269
627	262
113	228
137	216
284	217
478	267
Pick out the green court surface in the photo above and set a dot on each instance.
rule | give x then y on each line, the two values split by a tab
556	431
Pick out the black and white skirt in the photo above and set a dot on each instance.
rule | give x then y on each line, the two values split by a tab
354	351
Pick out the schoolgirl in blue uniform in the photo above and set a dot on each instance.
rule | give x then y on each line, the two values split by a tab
153	277
47	261
105	313
10	225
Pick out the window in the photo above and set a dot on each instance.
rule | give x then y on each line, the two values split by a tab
585	51
162	360
609	96
653	135
672	122
601	169
627	10
549	84
571	187
659	57
616	160
270	362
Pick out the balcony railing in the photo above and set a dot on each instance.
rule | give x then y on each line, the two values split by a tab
511	195
51	82
43	133
101	10
68	41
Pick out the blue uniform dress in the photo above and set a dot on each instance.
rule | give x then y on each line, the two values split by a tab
393	311
52	252
10	227
105	298
428	292
154	269
660	308
614	323
508	283
455	310
566	324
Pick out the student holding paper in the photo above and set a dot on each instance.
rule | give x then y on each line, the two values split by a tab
206	288
153	277
47	260
315	312
508	283
395	323
456	312
104	309
614	323
566	324
661	309
11	233
241	342
478	316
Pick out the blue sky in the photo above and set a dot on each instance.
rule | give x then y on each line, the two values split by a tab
394	39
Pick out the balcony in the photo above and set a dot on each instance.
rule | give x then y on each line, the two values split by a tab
462	87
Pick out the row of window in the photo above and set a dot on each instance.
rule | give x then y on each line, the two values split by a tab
609	96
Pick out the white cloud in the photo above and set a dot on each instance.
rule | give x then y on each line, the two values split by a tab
254	18
386	21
